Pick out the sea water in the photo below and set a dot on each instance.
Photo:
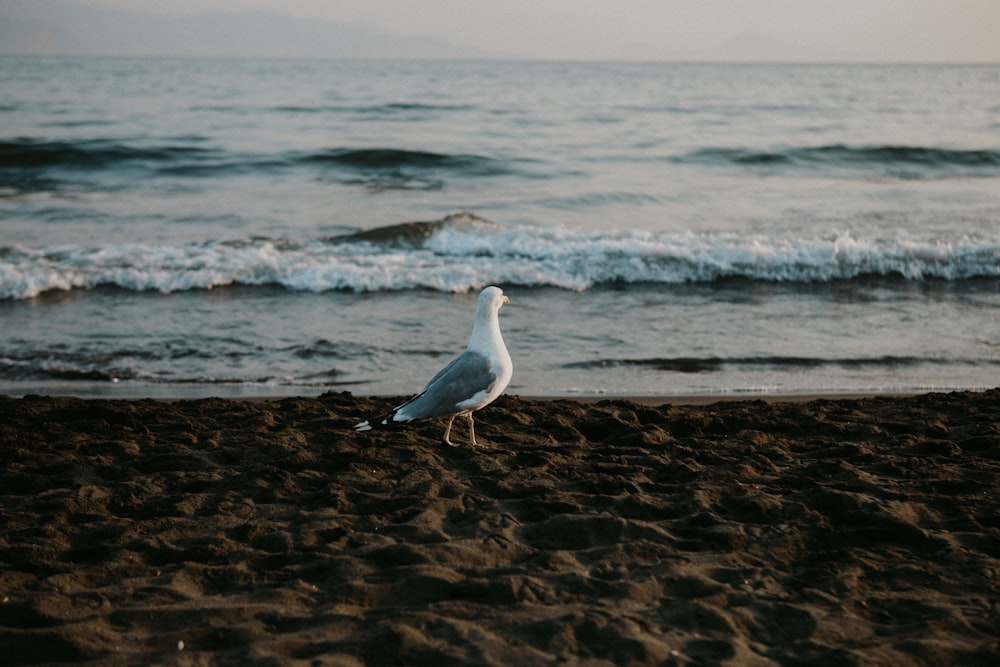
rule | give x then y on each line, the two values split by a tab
186	227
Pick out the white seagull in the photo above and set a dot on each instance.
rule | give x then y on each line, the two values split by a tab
471	381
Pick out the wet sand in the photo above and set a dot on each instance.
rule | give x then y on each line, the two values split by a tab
852	531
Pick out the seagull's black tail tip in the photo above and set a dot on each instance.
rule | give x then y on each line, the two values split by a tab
385	421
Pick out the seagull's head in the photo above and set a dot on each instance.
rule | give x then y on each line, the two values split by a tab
491	298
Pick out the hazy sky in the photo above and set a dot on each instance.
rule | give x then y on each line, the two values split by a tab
879	30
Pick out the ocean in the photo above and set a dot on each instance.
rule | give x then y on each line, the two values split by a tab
195	227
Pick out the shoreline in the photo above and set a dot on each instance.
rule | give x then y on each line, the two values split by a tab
709	399
639	399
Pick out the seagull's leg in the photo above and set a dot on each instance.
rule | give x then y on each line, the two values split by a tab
472	430
447	432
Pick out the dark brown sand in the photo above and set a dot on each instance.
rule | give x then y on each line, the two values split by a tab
831	532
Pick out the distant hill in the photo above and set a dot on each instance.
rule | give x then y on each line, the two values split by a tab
58	27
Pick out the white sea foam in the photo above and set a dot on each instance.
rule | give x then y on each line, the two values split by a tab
462	257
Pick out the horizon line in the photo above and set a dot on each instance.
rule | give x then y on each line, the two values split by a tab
506	59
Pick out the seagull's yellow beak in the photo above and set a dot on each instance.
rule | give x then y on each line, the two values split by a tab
506	300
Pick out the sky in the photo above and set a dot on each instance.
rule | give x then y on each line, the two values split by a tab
803	30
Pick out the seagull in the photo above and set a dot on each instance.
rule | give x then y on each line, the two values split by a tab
471	381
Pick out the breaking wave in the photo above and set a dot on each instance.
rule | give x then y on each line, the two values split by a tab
464	252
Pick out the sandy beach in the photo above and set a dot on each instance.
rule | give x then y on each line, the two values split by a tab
849	531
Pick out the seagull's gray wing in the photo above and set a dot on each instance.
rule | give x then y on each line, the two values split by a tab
467	375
